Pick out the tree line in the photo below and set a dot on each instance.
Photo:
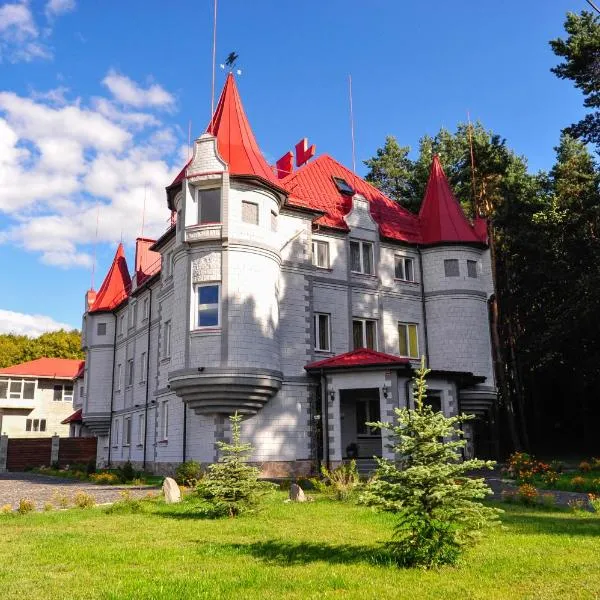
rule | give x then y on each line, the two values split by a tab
545	250
15	349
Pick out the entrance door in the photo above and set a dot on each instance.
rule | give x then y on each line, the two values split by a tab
359	407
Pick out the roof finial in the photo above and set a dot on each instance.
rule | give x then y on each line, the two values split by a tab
230	63
214	61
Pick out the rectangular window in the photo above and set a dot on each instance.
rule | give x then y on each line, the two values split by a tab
118	376
208	305
322	335
36	424
320	254
404	268
58	393
165	420
408	340
146	308
361	257
143	366
16	387
169	264
451	267
115	435
141	428
3	388
127	431
122	325
273	221
28	390
472	268
131	316
68	393
250	212
434	400
167	339
364	334
81	391
101	330
367	411
28	423
209	206
130	372
42	424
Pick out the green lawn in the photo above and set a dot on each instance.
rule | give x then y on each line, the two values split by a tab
314	550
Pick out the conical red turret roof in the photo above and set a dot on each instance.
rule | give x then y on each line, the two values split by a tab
116	285
235	139
441	216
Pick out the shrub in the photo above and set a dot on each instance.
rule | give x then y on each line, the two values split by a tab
188	473
25	506
126	473
577	505
577	482
340	483
84	500
104	478
91	466
594	501
6	509
527	494
48	507
62	500
231	486
550	478
557	465
585	467
428	488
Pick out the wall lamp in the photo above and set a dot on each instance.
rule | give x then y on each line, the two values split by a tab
332	396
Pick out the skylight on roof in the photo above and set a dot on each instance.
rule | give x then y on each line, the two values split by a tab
343	186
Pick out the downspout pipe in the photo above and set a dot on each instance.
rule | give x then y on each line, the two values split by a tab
112	392
184	450
423	308
325	419
147	379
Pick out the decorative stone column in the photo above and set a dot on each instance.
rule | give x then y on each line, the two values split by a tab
54	450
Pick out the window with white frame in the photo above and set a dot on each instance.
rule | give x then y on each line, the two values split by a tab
143	366
141	429
322	333
115	433
408	341
17	389
146	308
320	254
68	393
131	316
472	268
130	372
361	257
118	376
35	425
126	431
404	268
249	212
451	268
209	205
207	297
164	421
167	339
364	333
101	329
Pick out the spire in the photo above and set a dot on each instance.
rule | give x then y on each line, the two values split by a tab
442	218
235	139
116	285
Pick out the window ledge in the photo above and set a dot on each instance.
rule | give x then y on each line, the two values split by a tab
366	275
162	442
206	331
327	269
317	351
139	445
408	281
165	360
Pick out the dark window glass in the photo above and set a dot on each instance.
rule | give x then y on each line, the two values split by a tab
209	206
101	328
29	390
28	425
451	267
370	328
209	294
43	425
3	388
58	393
355	257
322	324
357	334
472	268
343	186
368	259
435	401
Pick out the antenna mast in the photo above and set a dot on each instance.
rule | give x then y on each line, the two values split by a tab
95	243
190	138
352	124
144	209
214	60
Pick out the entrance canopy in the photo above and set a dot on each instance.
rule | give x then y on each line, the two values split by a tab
361	358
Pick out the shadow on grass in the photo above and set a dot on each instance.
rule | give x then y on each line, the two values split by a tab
557	522
288	553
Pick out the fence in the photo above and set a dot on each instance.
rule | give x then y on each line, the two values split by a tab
19	454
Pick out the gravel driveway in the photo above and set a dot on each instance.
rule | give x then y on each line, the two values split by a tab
43	488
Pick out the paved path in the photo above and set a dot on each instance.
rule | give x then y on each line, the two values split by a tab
44	488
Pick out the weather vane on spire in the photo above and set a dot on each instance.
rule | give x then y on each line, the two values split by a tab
230	63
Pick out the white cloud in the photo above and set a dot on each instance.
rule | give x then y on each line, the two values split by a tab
19	34
130	93
32	325
59	7
62	163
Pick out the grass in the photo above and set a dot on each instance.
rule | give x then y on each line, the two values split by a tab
591	482
321	549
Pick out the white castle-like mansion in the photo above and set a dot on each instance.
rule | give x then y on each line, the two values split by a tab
302	298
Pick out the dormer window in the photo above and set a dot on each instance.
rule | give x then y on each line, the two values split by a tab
343	186
209	205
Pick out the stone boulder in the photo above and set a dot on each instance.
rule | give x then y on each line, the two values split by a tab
297	493
171	491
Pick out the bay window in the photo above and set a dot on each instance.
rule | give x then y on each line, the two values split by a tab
209	205
208	297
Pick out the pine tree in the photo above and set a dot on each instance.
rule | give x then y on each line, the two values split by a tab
231	486
428	486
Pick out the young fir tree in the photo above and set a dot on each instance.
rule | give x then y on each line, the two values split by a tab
428	485
231	486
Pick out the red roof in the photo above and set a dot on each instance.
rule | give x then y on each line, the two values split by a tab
116	285
362	357
312	187
442	218
147	262
52	368
74	418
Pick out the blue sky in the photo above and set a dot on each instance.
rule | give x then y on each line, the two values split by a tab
96	97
